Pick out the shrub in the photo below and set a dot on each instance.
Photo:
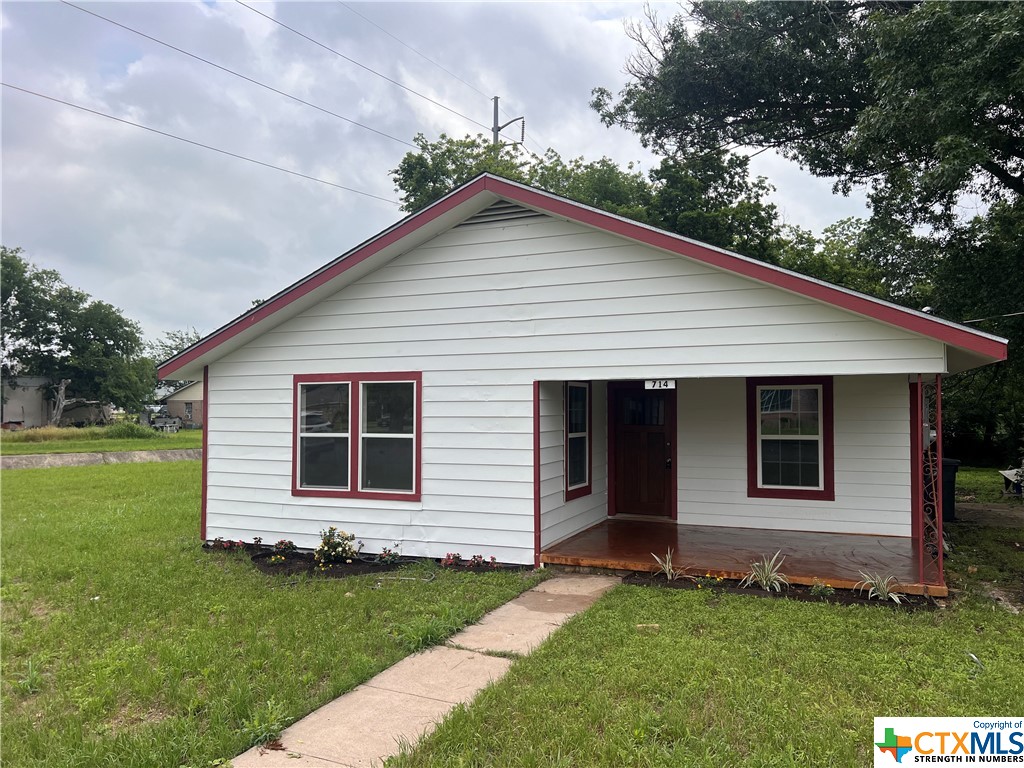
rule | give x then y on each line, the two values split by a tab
767	574
881	588
127	430
335	547
388	555
285	547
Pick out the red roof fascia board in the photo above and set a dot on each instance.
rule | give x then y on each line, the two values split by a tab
911	321
958	337
303	287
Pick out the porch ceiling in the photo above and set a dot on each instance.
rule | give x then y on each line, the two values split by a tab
834	558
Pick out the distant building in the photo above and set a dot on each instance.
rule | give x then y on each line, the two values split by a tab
25	402
186	403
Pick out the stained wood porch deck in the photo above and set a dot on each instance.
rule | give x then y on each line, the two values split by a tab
835	558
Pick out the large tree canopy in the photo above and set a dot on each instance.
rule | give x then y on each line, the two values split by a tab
55	331
709	198
923	100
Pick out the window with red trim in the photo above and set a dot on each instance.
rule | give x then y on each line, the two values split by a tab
790	438
577	439
357	435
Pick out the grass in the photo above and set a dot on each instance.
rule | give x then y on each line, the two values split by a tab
743	681
125	644
730	680
982	485
118	437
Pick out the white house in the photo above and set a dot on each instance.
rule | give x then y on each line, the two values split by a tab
510	373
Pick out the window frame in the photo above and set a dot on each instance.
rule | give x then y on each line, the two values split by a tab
583	489
356	433
188	410
825	437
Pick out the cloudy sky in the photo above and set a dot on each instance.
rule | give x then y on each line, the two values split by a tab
178	236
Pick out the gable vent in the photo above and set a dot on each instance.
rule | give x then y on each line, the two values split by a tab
500	213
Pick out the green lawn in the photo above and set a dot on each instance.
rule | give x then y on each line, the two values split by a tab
981	484
190	438
125	644
728	680
731	681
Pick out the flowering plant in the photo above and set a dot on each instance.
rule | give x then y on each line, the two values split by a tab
451	560
219	543
335	547
388	555
285	547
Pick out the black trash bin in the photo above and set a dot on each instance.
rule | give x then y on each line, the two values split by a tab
949	470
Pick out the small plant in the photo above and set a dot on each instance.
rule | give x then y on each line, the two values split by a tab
257	541
276	559
767	574
389	556
285	547
266	723
451	560
879	587
228	544
821	589
666	566
32	682
335	547
707	581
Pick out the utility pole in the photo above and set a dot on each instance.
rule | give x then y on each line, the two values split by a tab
497	128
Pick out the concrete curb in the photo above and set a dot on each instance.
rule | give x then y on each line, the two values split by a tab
44	460
402	704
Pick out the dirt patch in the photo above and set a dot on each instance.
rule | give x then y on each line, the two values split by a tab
1006	515
797	592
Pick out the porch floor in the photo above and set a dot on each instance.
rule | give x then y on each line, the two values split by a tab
834	558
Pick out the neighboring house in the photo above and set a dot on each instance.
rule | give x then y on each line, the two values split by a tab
186	403
505	371
26	403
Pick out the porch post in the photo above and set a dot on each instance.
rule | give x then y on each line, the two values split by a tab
939	490
917	475
536	474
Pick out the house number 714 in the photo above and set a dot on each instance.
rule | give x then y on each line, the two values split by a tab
660	384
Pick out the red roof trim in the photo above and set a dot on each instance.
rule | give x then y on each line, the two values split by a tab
887	313
325	275
862	305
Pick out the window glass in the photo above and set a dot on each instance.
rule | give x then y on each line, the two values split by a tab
388	408
387	464
323	462
788	416
324	408
577	461
643	410
577	409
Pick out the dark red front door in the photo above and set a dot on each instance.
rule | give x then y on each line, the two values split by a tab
643	438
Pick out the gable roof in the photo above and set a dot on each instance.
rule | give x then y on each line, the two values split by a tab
970	347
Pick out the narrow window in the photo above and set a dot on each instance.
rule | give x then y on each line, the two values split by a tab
388	436
790	438
577	440
188	411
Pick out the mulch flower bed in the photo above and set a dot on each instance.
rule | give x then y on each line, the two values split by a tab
267	561
798	592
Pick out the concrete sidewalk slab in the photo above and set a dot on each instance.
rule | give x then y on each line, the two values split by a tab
524	623
404	703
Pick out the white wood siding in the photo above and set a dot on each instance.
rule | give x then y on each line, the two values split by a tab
483	311
872	460
560	518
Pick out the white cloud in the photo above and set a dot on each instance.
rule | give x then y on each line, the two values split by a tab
178	236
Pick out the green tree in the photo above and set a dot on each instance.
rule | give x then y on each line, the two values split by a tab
58	332
171	344
924	101
709	198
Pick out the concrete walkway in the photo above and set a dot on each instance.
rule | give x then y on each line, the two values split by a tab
404	703
36	461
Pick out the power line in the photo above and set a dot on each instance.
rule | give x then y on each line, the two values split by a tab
994	317
197	144
439	66
237	74
418	53
363	66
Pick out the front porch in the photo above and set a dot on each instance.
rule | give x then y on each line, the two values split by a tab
627	543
